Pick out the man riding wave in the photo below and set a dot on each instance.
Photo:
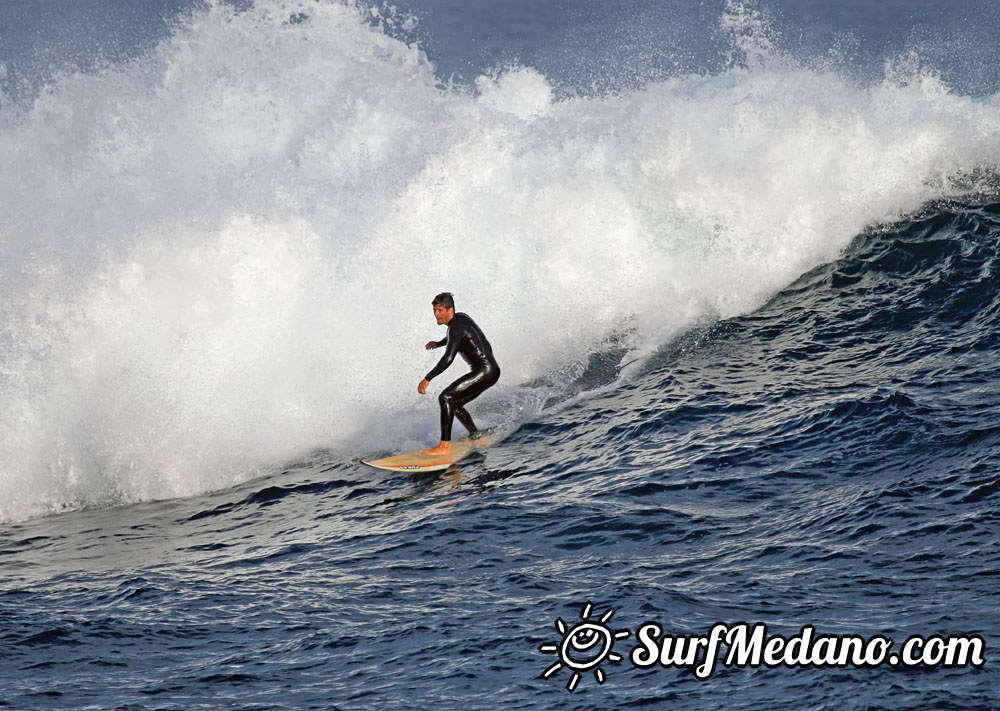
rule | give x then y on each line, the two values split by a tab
467	339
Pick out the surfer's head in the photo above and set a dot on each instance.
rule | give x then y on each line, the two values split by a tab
444	299
444	308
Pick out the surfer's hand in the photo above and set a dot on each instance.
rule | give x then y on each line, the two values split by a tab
431	345
422	388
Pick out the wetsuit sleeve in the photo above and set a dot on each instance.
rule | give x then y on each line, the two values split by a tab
442	342
447	358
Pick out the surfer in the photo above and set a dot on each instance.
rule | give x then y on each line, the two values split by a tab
466	338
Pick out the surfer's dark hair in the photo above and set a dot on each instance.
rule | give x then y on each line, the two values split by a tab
444	299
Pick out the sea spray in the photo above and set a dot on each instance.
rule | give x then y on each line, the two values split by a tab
220	255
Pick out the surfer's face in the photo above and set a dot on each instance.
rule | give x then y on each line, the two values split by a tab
442	314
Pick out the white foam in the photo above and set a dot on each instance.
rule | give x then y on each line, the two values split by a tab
221	256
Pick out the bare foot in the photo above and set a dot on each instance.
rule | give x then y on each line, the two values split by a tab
442	450
477	440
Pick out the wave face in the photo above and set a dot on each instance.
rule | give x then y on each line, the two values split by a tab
829	459
218	255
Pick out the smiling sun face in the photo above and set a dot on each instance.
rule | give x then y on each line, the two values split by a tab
584	646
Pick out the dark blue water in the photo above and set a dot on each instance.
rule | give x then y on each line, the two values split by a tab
761	390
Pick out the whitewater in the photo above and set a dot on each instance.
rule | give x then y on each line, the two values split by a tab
217	256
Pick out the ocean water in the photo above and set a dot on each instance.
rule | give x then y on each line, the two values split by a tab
739	266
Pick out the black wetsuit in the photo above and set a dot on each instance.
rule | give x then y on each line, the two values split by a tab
466	338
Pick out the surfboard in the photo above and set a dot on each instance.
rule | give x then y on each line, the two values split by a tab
419	462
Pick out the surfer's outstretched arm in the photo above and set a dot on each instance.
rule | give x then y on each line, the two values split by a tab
450	351
446	360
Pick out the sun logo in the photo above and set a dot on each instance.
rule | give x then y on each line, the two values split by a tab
584	647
